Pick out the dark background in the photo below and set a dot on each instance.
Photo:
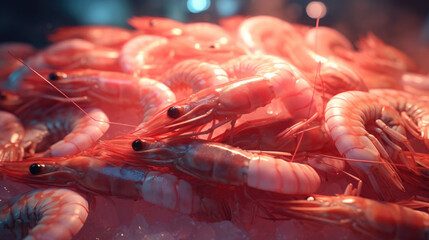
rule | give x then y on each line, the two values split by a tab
404	24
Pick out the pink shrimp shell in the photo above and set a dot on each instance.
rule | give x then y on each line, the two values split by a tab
56	213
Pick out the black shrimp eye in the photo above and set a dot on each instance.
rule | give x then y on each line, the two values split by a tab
53	76
36	168
173	112
2	96
152	23
138	145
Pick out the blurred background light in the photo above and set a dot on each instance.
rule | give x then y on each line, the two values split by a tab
227	8
316	9
196	6
99	12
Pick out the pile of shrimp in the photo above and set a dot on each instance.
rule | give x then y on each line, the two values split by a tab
252	122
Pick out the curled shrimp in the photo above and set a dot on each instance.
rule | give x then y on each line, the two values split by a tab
10	140
49	213
267	35
414	111
382	220
82	132
107	177
347	116
194	74
99	35
78	53
215	162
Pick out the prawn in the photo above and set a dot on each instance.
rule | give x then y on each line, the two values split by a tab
78	53
103	88
80	130
157	26
12	134
49	213
112	178
346	116
267	35
214	162
384	220
196	74
99	35
227	102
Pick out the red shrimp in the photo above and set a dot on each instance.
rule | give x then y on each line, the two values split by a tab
382	220
134	58
80	130
99	35
329	42
226	103
157	26
77	53
104	177
214	162
298	97
12	133
383	57
347	115
265	34
105	89
207	32
193	74
49	213
414	111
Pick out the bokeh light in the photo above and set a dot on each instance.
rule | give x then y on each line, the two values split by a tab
316	9
196	6
227	8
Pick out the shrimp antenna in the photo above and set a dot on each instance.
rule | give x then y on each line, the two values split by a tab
319	63
68	98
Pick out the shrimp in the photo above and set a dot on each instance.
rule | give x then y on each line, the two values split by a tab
414	111
105	89
267	35
49	213
110	178
196	74
157	26
99	35
78	53
384	57
12	133
329	42
346	115
82	131
226	103
382	220
214	162
134	59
